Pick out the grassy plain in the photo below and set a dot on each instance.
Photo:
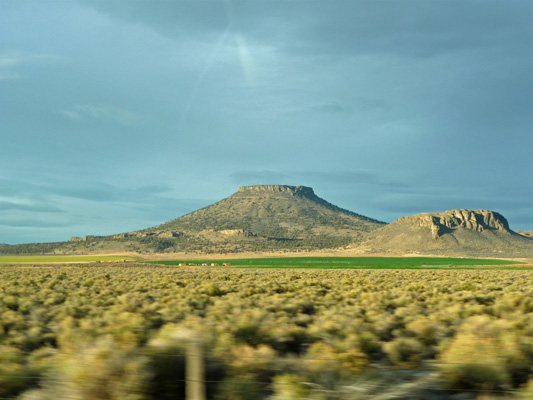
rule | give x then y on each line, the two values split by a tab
353	262
47	259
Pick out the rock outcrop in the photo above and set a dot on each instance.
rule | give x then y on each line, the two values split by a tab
303	191
142	234
442	223
454	232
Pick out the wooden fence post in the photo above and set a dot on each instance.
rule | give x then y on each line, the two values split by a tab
195	371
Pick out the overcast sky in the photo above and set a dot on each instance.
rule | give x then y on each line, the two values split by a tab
120	115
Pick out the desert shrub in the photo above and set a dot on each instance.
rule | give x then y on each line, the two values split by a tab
288	339
242	387
484	355
369	344
425	330
103	371
249	328
289	387
15	376
526	391
325	363
249	369
404	352
256	360
328	327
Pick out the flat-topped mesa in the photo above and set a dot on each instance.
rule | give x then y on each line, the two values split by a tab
302	191
476	220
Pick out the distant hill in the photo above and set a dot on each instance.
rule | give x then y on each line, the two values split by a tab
255	218
283	218
454	232
274	212
265	217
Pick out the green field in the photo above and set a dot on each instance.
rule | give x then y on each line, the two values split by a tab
59	259
352	262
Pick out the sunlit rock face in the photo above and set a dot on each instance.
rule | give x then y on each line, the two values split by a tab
442	223
303	191
452	233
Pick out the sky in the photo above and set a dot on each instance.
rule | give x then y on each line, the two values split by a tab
121	115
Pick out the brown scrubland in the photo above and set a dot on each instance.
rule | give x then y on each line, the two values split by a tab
122	331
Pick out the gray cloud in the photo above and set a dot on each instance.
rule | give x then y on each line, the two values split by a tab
12	62
110	113
33	223
171	18
7	206
142	111
345	179
359	27
245	178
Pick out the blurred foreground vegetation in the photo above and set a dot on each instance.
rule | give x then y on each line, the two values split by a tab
121	332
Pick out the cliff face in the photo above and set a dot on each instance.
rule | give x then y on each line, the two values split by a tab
442	223
302	191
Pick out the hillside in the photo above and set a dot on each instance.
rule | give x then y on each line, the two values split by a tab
279	218
275	212
255	218
454	232
265	217
528	234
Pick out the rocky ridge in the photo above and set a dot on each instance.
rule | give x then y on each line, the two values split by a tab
443	223
454	232
291	190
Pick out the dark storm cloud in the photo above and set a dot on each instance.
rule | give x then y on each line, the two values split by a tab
315	27
409	28
174	18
